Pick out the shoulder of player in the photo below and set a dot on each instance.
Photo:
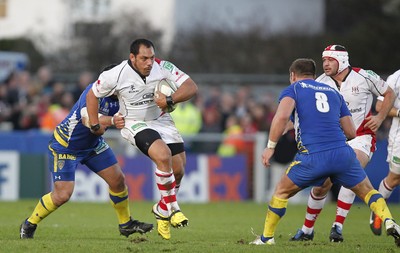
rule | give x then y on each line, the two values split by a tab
115	76
164	64
323	77
365	73
394	78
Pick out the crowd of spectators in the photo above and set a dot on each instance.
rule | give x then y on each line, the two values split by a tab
40	101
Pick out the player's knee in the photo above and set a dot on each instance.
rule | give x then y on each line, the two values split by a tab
161	154
61	197
320	191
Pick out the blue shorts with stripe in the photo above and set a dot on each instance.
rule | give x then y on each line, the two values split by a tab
340	165
62	162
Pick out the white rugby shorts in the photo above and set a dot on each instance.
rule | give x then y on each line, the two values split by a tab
164	125
362	143
393	149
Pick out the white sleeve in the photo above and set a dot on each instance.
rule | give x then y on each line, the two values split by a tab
104	86
171	72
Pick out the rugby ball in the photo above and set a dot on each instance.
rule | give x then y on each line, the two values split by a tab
167	88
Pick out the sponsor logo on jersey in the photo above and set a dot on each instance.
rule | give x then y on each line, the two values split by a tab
66	157
138	125
396	159
356	110
168	66
372	73
147	99
142	102
133	90
355	89
306	85
148	95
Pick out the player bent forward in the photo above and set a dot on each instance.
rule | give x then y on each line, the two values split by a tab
73	143
147	126
320	119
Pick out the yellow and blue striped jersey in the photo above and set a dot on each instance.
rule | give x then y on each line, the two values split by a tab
72	134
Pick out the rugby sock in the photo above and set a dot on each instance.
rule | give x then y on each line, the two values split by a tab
378	205
314	208
344	203
276	209
166	185
42	209
385	190
162	207
120	202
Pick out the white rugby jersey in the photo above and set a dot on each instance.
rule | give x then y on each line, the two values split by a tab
394	82
136	95
357	89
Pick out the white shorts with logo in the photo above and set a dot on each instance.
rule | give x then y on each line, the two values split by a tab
393	149
164	125
362	143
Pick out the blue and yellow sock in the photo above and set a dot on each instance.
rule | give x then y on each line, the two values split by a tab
120	202
276	209
378	205
42	209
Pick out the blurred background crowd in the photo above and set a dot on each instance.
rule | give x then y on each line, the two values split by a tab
40	101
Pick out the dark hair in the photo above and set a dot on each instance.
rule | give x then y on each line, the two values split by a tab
303	67
137	43
109	67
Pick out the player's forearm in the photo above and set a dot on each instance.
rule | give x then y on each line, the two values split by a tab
394	112
277	128
92	105
185	92
387	104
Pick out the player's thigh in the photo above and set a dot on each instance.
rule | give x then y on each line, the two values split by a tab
285	188
104	163
114	177
362	157
363	146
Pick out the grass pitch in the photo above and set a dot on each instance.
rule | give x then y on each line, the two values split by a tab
214	227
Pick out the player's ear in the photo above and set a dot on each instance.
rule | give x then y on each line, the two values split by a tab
292	77
132	57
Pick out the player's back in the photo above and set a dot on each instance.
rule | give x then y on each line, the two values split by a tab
317	116
72	134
